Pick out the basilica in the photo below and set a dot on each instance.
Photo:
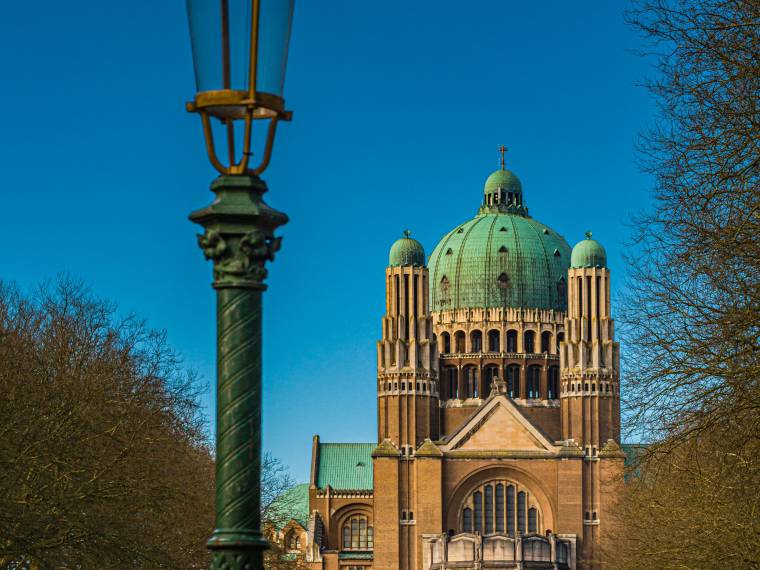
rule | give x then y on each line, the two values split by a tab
498	408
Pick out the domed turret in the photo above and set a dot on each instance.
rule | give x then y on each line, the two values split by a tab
407	251
503	191
588	253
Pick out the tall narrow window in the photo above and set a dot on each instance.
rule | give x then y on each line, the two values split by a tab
546	342
478	502
476	340
500	507
459	341
529	342
452	381
489	373
532	520
489	509
467	520
534	377
511	510
560	339
494	338
471	381
446	343
513	380
553	383
511	341
521	512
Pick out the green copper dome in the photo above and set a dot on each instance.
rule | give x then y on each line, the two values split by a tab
503	179
588	253
406	251
500	258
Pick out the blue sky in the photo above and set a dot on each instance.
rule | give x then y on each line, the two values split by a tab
399	108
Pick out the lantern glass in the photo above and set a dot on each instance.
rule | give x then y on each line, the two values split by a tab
221	32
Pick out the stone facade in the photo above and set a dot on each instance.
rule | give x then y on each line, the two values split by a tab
498	425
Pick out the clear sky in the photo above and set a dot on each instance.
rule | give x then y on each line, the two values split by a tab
399	108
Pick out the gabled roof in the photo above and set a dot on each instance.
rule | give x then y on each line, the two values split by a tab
344	466
498	426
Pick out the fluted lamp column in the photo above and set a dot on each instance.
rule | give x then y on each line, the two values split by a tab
239	54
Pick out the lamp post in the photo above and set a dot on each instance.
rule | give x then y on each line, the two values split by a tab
239	55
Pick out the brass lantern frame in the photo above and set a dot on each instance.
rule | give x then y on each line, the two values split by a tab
229	105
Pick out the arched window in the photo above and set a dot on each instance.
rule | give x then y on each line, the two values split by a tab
532	520
553	383
511	341
476	341
533	381
357	534
513	380
445	343
511	510
467	520
494	341
488	493
451	381
471	381
529	342
459	341
293	541
521	512
499	506
560	339
546	342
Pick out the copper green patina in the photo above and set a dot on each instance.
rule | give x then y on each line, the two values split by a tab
500	258
588	253
406	251
345	466
239	239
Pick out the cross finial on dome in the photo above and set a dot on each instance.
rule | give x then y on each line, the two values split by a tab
502	150
407	234
588	234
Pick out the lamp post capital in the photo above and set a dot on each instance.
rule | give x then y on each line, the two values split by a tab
239	232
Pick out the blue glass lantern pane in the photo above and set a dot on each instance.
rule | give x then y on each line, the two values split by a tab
274	36
210	51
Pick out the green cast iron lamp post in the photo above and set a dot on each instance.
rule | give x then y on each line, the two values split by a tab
239	53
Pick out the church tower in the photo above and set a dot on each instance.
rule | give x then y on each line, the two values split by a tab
590	393
407	361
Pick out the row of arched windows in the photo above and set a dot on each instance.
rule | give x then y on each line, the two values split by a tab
471	387
499	507
494	342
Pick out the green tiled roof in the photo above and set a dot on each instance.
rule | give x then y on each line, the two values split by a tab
345	465
293	504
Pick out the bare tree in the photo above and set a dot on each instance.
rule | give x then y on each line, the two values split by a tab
692	318
279	505
105	462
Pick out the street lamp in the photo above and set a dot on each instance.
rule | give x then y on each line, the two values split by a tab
239	53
